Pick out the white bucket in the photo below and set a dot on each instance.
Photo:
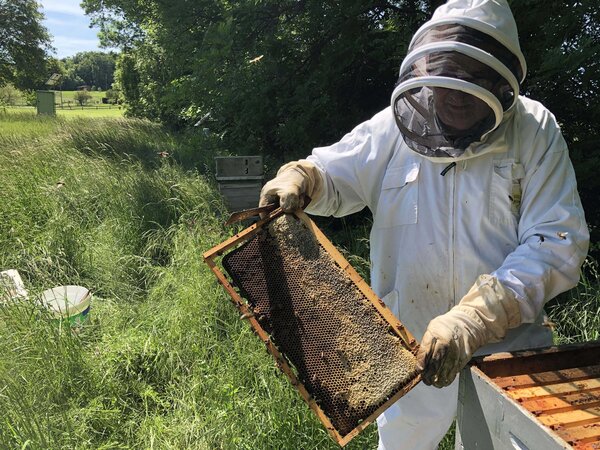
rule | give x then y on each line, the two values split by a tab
70	303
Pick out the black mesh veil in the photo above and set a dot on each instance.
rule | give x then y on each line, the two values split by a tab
455	85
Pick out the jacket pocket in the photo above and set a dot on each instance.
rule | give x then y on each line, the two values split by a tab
399	197
505	191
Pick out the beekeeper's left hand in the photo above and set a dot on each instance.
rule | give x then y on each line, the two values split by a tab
483	316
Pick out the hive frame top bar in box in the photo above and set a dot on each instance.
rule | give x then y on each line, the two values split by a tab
545	398
345	352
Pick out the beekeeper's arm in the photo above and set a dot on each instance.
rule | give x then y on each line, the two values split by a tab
340	179
553	240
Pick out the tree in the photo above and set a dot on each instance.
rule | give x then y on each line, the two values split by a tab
55	66
9	95
24	43
561	42
113	96
326	65
82	97
90	69
282	76
95	68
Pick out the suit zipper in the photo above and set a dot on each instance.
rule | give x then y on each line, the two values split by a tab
453	236
452	215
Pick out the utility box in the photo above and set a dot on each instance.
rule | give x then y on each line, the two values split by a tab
240	180
46	102
544	399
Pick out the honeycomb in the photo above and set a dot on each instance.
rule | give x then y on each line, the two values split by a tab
344	352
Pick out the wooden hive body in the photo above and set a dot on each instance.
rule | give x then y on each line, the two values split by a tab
546	399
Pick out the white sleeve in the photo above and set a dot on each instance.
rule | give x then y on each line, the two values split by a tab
353	168
553	235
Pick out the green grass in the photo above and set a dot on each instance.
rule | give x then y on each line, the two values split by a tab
576	314
90	112
17	125
70	95
67	113
165	362
67	97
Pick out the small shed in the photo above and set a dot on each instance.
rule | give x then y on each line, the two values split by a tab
46	102
240	180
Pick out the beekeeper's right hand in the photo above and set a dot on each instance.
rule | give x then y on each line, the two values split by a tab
293	181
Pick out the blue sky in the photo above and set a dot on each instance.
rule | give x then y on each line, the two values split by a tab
69	27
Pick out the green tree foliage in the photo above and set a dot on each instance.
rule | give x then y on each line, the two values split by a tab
24	43
113	96
89	69
280	77
82	97
9	95
54	65
273	76
561	41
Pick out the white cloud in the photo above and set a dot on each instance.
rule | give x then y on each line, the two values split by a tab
66	40
69	27
68	46
53	21
70	7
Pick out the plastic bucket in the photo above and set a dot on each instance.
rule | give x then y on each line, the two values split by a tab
71	303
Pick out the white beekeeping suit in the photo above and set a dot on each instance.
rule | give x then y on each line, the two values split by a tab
468	182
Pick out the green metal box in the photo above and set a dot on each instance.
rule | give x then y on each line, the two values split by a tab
46	102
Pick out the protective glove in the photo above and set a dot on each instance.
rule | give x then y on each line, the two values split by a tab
482	316
293	181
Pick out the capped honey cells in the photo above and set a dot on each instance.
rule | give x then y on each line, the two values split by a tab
343	350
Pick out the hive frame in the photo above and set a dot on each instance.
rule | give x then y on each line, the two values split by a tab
546	398
398	328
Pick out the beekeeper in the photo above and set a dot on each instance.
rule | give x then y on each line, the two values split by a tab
476	218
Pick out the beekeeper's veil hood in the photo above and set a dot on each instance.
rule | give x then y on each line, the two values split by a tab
461	74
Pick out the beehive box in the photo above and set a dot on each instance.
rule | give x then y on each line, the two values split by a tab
240	179
340	346
546	399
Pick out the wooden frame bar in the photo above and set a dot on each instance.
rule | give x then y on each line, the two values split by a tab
553	395
409	342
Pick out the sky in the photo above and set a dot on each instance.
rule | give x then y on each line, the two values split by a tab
69	27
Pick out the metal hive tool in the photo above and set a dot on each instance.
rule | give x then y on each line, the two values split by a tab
340	346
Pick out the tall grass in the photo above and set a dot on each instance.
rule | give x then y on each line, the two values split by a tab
75	112
164	362
15	127
576	314
126	209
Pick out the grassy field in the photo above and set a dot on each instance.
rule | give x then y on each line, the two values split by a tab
164	362
68	107
66	97
69	113
70	95
90	112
